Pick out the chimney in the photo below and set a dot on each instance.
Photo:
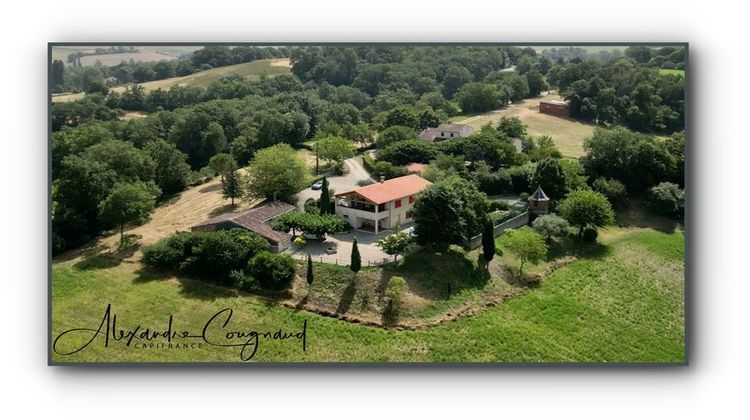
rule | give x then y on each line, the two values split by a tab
382	179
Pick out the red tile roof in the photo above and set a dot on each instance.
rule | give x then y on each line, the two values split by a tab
392	189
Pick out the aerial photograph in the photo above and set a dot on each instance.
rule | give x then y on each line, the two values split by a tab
367	203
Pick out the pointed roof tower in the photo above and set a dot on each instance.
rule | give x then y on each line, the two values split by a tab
539	195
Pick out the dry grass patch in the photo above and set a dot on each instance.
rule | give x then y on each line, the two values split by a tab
567	133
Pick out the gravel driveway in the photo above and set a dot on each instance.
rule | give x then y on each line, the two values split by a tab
342	183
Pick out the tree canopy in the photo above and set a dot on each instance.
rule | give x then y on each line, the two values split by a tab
449	212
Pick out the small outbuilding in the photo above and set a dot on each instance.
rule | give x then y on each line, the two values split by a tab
257	220
558	108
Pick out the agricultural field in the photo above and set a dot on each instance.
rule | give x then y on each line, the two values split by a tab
623	302
567	133
251	70
145	54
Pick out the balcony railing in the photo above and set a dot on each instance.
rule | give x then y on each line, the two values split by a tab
356	205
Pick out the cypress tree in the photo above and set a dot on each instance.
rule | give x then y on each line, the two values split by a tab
325	198
310	275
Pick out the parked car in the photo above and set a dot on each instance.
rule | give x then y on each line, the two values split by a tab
310	236
318	185
413	232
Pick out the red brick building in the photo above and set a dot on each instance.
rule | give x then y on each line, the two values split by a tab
561	109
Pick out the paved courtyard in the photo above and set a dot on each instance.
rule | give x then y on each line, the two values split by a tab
370	253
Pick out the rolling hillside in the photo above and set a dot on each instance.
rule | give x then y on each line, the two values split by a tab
251	70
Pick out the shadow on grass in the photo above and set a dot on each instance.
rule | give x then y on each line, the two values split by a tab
390	314
436	275
571	246
223	209
210	188
638	215
99	257
347	297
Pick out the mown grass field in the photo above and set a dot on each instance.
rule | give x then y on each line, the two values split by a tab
624	303
680	73
251	70
567	133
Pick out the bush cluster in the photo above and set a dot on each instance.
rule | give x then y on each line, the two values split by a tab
208	255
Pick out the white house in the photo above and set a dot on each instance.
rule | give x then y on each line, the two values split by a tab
380	206
445	131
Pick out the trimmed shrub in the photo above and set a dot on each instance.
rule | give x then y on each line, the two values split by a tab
242	281
162	256
272	271
395	290
613	189
590	234
665	198
495	183
311	206
498	205
387	170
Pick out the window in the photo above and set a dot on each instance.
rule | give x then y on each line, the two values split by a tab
398	203
411	199
442	134
408	215
381	207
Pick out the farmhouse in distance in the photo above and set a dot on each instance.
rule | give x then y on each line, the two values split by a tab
445	131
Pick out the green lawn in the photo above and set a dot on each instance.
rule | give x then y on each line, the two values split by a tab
673	71
624	303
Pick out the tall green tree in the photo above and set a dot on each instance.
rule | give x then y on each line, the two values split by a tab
449	212
171	170
58	71
335	149
512	127
276	172
222	163
231	185
586	208
127	203
550	176
356	259
395	244
526	245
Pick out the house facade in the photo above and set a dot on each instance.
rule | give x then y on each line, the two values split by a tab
381	206
445	131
